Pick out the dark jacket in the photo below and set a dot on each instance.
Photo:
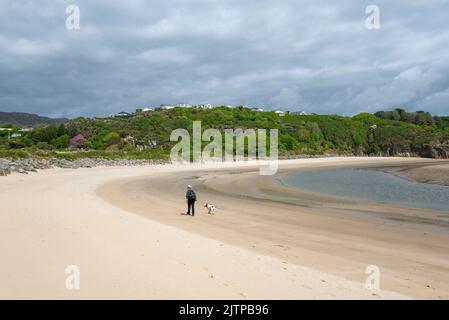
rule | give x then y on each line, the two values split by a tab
190	195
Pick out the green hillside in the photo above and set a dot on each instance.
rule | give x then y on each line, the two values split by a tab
146	135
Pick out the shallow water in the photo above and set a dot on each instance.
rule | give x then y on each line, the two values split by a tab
372	185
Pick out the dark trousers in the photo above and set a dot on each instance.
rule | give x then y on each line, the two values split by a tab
191	204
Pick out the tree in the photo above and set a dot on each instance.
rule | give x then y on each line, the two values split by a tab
61	142
61	130
112	138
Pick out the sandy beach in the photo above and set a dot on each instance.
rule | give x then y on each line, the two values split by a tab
126	230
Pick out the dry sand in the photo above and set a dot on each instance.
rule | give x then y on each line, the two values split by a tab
250	249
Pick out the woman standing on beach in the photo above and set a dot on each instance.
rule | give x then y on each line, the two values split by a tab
191	198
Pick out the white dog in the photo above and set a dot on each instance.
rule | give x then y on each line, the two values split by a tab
210	208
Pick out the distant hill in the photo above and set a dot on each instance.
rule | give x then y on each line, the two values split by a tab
27	119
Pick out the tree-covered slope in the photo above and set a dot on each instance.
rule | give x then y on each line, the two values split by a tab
148	134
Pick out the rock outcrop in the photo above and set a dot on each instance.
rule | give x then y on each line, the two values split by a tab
436	151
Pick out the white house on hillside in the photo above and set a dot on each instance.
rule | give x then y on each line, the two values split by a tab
183	105
12	135
123	114
205	106
299	113
280	112
166	107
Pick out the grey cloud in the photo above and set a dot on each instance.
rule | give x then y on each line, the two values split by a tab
278	54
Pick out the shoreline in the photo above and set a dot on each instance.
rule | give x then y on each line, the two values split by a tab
31	165
321	232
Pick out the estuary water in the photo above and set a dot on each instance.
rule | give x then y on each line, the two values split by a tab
372	185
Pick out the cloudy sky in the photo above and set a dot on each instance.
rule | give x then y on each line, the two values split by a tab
316	56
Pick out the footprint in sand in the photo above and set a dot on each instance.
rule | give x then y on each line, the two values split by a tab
282	246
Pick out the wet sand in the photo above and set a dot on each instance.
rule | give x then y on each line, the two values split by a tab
332	235
425	173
